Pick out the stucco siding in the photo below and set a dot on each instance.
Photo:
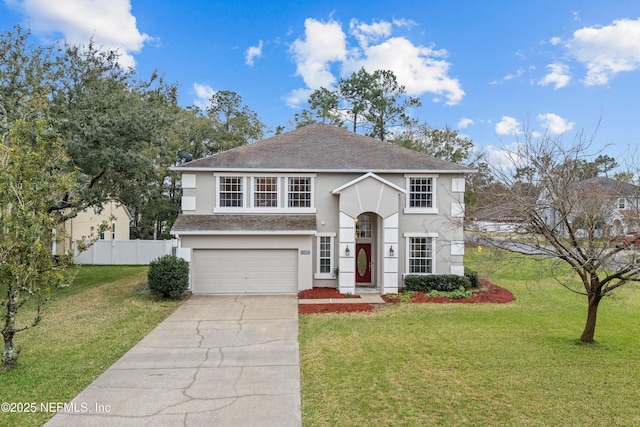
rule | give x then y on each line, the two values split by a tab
86	224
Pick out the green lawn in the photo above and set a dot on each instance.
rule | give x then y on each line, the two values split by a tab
519	364
85	329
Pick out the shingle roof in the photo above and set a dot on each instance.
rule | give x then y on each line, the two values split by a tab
323	147
239	223
615	187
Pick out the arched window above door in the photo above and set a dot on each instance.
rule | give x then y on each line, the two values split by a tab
363	227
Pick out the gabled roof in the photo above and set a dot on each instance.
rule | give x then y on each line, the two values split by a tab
614	187
365	176
323	147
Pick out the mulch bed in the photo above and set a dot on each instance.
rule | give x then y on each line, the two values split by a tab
488	293
333	308
323	293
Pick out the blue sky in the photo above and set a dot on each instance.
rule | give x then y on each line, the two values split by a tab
490	69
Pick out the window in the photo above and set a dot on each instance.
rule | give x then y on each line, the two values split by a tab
420	255
299	192
261	193
622	203
265	192
420	192
231	193
325	254
363	227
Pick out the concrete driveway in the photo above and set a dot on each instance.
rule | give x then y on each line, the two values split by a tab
215	361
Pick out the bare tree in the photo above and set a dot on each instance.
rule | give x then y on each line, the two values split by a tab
569	218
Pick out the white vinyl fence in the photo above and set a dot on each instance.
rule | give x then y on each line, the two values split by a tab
125	251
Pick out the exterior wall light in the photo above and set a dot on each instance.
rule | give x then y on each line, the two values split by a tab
391	252
347	251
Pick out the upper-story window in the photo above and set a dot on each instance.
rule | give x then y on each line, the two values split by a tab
420	192
262	193
299	192
265	192
231	191
622	203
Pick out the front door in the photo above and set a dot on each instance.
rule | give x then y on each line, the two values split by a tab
363	263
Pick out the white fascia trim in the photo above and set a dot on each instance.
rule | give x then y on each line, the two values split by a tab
247	233
365	176
261	172
313	171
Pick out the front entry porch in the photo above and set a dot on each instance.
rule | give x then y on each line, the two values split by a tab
369	236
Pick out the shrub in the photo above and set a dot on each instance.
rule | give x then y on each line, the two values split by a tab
472	276
436	282
168	276
459	293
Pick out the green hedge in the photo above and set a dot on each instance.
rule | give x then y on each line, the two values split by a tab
436	282
168	276
472	276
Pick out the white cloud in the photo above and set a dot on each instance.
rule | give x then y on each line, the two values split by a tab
464	123
555	124
504	158
367	33
297	97
203	94
559	76
254	52
404	23
324	43
420	69
108	22
608	50
508	126
515	75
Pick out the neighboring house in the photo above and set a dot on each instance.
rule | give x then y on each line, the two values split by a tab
295	210
498	219
87	223
613	203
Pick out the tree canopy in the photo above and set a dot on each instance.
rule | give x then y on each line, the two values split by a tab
374	102
32	180
571	216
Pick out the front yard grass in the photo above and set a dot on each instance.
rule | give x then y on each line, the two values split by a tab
85	329
517	364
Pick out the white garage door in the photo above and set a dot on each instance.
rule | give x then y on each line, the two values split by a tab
236	271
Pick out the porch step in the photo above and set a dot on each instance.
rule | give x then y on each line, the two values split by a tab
364	299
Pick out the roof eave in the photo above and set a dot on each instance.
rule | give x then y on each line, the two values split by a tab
240	232
300	170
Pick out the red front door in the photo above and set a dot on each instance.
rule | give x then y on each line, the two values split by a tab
363	263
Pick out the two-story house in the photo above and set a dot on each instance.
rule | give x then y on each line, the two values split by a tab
609	205
319	206
114	215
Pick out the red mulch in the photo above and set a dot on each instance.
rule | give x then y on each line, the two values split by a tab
488	293
323	293
333	308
